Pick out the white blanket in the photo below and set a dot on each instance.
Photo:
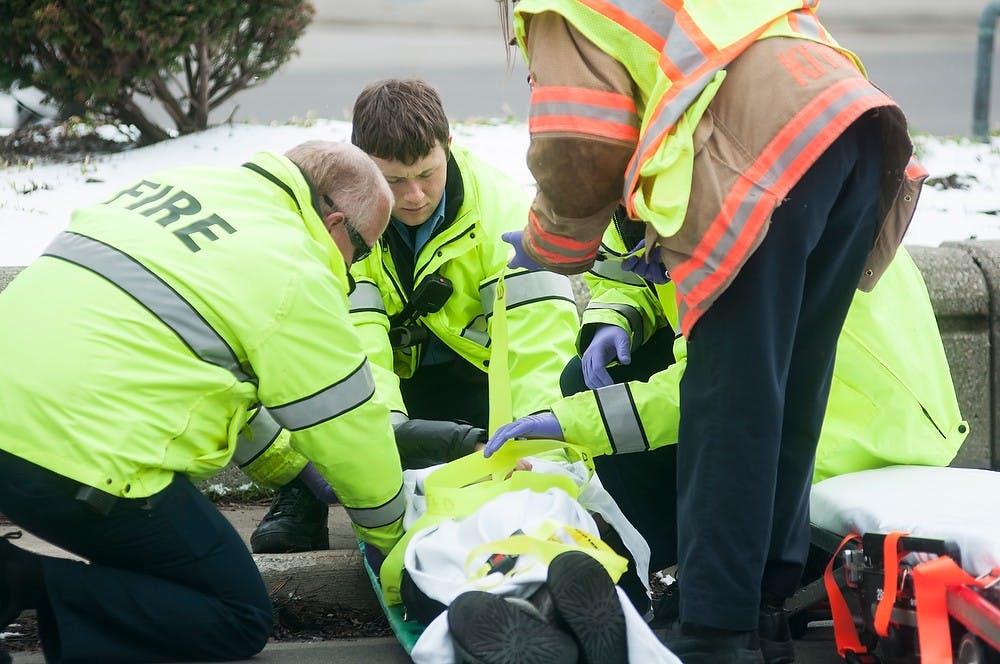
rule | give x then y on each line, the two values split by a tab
960	504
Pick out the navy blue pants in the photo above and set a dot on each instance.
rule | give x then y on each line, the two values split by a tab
169	578
754	393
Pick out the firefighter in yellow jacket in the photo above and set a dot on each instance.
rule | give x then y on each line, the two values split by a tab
424	299
131	353
773	179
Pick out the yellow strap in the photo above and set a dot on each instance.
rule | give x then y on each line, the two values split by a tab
499	372
545	547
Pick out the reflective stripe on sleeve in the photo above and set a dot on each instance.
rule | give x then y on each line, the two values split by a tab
612	269
330	402
630	314
366	297
621	419
383	515
527	287
264	430
151	292
397	417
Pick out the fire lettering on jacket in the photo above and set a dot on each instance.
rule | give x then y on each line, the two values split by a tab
808	61
165	204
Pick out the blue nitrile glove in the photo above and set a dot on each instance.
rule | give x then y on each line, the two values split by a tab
654	271
319	487
540	425
609	342
521	258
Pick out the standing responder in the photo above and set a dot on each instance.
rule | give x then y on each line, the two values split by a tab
423	304
773	178
130	354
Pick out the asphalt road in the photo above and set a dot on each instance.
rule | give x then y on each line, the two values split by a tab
922	53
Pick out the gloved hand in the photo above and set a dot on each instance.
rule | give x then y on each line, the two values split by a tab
319	487
653	271
540	425
423	443
609	342
521	258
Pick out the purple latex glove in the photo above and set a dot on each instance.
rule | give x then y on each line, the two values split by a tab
319	487
609	343
540	425
653	271
521	258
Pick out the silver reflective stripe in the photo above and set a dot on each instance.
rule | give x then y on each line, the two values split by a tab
621	419
263	431
375	517
366	297
585	110
330	402
528	287
396	418
151	292
631	314
611	268
477	336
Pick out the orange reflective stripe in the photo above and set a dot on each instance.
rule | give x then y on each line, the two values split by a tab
844	632
583	111
890	563
578	125
694	34
734	231
558	248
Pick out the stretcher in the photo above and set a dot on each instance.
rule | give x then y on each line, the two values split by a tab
912	569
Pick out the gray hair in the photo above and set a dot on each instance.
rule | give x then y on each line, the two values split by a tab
347	175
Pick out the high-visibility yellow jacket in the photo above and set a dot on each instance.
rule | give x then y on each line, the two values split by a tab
135	346
542	316
892	400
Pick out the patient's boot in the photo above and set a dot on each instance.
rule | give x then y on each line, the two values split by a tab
490	629
585	599
295	522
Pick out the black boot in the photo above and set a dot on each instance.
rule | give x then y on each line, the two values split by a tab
694	644
295	522
775	634
490	629
585	599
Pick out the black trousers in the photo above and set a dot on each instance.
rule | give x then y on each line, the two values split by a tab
754	393
453	390
168	579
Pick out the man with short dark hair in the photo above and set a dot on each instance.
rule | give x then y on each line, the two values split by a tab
130	355
423	304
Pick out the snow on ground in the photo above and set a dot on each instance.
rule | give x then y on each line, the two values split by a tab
961	201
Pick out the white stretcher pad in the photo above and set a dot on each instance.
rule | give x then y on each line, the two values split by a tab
958	504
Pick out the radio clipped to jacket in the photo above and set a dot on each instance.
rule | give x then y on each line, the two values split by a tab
428	297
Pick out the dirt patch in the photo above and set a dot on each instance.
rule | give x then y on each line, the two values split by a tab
69	141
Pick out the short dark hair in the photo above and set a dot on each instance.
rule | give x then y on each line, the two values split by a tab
401	120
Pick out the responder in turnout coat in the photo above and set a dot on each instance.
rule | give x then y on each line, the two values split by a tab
892	400
774	178
132	351
424	298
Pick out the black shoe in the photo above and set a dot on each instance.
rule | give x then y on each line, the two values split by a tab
775	635
694	645
585	599
490	629
295	522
